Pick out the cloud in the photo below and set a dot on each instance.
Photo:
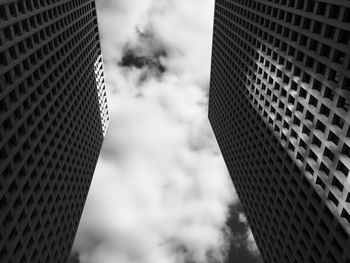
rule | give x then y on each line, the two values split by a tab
250	242
242	244
161	192
249	238
147	54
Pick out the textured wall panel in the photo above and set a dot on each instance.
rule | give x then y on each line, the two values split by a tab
51	124
279	107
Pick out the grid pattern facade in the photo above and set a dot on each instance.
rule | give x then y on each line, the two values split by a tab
53	117
101	92
279	106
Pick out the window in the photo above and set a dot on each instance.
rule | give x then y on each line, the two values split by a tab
343	36
321	8
342	168
317	27
337	184
328	154
330	30
334	11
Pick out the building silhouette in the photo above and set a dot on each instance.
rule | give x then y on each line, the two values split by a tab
279	107
53	117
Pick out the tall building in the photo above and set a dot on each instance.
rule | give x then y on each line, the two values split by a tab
53	117
279	106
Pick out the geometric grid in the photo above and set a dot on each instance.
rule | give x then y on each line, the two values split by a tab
285	65
101	92
51	130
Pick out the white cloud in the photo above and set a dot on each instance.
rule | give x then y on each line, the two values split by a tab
248	238
242	218
250	243
160	192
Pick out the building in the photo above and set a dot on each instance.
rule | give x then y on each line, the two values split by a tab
53	117
279	107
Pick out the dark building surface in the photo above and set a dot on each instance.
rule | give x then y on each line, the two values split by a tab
53	117
279	107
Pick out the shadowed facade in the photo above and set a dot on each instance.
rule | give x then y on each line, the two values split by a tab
53	117
279	107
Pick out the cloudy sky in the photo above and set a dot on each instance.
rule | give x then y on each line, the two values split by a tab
161	192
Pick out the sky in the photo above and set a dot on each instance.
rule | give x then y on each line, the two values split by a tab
161	191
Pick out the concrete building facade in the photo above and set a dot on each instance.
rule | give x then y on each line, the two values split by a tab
279	107
53	117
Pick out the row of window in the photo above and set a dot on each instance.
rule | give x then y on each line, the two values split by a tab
24	7
278	8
